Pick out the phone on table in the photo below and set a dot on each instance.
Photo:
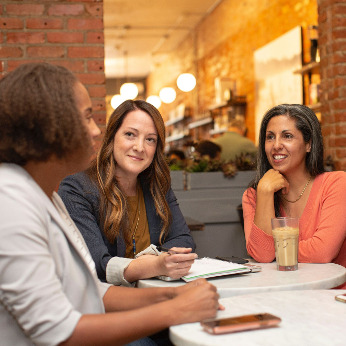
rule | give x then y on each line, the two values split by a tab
233	259
240	323
341	298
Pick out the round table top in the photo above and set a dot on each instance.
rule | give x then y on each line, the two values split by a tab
311	317
308	276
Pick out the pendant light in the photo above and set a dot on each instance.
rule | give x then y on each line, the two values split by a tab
186	82
128	91
154	100
167	95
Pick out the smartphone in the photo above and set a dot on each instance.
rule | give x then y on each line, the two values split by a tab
232	259
341	298
240	323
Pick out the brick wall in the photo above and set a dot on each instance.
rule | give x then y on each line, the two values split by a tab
68	33
332	41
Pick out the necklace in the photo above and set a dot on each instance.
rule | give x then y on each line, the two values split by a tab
300	196
137	222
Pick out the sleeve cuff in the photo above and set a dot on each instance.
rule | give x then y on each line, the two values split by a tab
115	271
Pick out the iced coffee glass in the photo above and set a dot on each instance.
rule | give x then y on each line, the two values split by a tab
286	239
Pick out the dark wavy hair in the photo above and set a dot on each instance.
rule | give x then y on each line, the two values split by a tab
308	124
113	207
38	114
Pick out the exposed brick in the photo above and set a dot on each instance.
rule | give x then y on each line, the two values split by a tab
340	142
91	78
1	37
95	37
95	10
25	9
340	129
66	10
99	117
96	65
63	37
341	153
86	52
97	91
44	23
45	51
10	52
11	23
99	104
13	64
85	24
72	65
1	9
25	37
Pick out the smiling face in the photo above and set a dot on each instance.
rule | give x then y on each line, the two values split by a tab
284	145
134	145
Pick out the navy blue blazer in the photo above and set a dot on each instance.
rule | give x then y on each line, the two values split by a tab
81	197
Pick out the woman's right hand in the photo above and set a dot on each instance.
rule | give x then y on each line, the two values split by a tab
177	263
273	181
195	302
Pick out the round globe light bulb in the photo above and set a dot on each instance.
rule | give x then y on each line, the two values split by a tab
129	91
186	82
154	100
117	100
167	95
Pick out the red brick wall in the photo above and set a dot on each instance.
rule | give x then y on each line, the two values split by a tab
68	33
332	41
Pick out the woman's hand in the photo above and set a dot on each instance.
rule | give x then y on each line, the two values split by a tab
177	262
196	301
273	181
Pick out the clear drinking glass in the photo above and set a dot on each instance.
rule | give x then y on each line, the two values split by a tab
286	240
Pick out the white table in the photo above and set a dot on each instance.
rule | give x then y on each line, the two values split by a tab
308	276
309	318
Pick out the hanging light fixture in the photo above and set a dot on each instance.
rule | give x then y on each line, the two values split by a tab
154	100
186	82
167	95
116	100
128	90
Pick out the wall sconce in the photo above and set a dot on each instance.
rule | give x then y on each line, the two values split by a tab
154	100
117	100
186	82
167	95
129	91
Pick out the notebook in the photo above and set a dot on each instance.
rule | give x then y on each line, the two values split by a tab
208	268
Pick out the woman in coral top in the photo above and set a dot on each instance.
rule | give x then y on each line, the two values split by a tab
291	181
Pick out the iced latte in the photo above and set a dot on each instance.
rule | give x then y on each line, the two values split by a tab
286	239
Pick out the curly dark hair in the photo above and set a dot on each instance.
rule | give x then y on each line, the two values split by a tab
38	114
308	124
113	208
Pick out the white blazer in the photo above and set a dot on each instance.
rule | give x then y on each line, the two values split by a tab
47	276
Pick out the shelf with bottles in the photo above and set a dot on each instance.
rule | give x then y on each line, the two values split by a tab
177	124
222	113
310	70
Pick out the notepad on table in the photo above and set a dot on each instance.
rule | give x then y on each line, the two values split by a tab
209	267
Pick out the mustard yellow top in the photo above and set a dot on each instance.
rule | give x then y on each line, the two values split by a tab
138	221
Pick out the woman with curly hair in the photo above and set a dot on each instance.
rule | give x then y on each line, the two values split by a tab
291	181
124	205
49	291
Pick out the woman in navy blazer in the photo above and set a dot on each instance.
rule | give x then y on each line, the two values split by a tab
124	205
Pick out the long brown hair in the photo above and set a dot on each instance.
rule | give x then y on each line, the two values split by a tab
113	206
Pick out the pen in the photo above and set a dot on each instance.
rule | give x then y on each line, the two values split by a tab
165	249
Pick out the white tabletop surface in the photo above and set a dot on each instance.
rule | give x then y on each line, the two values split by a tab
309	318
308	276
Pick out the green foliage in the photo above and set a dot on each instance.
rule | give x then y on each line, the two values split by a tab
243	162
